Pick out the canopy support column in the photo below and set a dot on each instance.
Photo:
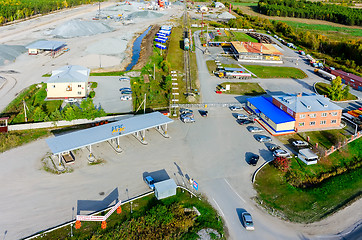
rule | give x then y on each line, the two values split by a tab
91	157
163	130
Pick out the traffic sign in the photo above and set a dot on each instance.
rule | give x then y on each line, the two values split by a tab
196	185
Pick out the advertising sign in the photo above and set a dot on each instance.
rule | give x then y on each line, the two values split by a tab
196	185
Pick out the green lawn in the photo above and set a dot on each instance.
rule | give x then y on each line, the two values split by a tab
251	3
17	138
165	219
276	72
332	32
240	36
323	90
243	88
306	205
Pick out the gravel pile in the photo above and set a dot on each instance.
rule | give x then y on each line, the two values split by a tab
79	28
226	15
144	14
109	46
9	53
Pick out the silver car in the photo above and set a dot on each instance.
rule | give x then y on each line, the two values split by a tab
242	117
300	143
235	108
255	129
187	119
247	221
281	153
262	138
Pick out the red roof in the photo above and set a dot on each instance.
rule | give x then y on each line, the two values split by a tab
350	75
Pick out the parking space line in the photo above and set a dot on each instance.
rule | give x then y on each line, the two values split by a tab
234	191
219	208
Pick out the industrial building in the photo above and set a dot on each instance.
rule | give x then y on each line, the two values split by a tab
70	81
256	52
296	112
348	78
48	47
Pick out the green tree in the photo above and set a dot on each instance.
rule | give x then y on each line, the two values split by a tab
38	114
345	92
335	91
69	114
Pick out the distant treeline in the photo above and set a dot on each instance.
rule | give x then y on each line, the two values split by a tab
312	10
11	10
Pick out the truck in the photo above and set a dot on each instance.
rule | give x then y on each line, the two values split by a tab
186	44
224	74
324	74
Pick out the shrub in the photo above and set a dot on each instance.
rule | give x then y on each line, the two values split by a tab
94	85
92	94
282	163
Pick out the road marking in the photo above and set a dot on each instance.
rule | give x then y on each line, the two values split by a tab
219	208
234	191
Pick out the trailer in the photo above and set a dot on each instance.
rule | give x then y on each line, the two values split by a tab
186	44
224	74
160	40
167	33
163	37
160	46
310	58
324	74
160	35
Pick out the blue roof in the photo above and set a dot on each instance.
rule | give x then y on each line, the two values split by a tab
94	135
46	45
234	69
270	110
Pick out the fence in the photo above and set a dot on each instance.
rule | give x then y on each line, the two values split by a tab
340	144
64	123
207	105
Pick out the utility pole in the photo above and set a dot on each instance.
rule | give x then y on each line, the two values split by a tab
25	107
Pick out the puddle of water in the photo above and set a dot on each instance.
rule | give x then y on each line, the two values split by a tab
136	50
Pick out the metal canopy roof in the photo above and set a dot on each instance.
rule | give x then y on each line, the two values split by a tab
90	136
46	45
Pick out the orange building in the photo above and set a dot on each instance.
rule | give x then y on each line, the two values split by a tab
310	111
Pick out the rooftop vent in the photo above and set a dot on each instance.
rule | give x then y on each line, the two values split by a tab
322	103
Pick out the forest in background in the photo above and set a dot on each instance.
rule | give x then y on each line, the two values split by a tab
11	10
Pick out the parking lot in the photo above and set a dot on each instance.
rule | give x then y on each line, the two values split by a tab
108	94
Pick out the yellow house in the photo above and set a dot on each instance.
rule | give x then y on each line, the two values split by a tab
70	81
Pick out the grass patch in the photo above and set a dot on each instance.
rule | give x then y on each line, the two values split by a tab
175	55
17	138
211	66
276	72
243	88
164	219
322	89
243	37
116	73
306	205
332	32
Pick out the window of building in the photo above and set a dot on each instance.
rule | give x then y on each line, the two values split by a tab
281	107
324	114
69	88
323	122
334	121
79	85
334	113
79	93
313	115
301	124
312	123
266	118
302	116
53	86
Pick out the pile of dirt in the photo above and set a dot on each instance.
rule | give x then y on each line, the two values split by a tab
79	28
226	15
9	53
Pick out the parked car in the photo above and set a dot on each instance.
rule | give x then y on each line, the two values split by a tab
187	119
150	182
126	97
254	117
300	143
188	114
185	110
253	160
255	129
281	153
125	88
124	79
242	117
70	100
262	138
245	122
272	147
126	92
203	113
247	221
235	108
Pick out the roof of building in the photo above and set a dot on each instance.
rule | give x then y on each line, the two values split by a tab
219	5
94	135
257	48
165	185
308	153
307	102
46	45
69	73
270	110
234	69
350	75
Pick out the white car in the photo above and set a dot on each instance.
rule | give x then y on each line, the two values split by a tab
235	108
126	97
281	153
247	221
300	143
242	117
187	119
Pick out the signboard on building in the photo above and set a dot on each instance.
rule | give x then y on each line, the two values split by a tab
290	112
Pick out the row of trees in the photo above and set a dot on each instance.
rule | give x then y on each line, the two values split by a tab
313	10
345	54
11	10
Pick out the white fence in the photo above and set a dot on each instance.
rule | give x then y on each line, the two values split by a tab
64	123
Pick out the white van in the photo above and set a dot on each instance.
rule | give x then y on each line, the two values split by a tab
307	156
